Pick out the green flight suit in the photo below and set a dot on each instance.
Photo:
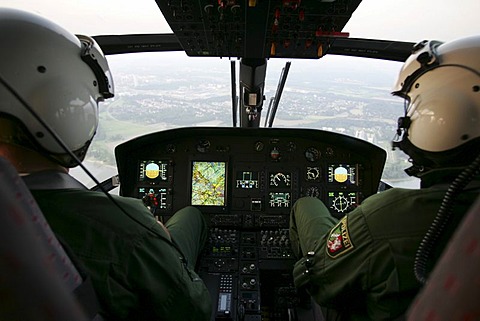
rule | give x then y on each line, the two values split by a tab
362	265
136	270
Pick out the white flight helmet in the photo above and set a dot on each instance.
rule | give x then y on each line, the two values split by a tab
441	85
60	76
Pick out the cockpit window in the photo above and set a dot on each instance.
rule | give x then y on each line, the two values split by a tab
156	91
168	90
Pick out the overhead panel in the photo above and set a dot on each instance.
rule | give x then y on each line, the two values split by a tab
256	28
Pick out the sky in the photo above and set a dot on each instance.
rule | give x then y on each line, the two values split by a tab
403	20
414	20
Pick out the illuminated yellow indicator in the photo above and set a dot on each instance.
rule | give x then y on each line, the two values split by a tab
340	174
152	170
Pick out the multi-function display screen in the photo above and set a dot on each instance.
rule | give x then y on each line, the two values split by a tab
153	198
246	180
342	202
208	183
279	199
280	180
153	171
342	174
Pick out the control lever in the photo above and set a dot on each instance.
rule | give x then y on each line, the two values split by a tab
241	312
292	314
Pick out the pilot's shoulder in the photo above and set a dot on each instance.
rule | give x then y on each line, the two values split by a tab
401	211
399	199
117	214
132	212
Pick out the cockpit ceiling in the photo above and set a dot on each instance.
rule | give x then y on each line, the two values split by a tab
258	28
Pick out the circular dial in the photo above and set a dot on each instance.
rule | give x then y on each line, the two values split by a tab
259	146
291	147
312	154
275	153
340	204
171	148
279	179
313	173
313	191
329	152
203	145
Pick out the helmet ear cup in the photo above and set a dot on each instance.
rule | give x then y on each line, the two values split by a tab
403	123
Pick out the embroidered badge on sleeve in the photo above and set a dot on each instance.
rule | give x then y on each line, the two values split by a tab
339	241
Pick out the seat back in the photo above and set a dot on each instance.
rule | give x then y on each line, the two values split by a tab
37	277
452	291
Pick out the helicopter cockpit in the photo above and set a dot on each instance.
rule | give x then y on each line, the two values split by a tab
245	174
247	178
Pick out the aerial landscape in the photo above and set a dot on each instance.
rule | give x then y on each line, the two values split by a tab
344	95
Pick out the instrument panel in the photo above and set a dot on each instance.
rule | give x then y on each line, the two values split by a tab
257	29
246	181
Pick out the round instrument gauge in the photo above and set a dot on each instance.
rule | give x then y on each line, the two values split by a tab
312	154
203	145
313	191
259	146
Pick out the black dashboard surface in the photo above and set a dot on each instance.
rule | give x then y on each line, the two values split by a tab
246	180
243	171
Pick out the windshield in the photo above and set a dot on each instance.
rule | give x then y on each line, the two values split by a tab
157	91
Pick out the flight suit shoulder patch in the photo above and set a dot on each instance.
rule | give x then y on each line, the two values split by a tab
339	241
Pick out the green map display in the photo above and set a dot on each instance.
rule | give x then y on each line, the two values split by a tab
208	183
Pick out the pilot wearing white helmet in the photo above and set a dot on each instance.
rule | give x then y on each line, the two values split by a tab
51	82
370	264
441	88
62	77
